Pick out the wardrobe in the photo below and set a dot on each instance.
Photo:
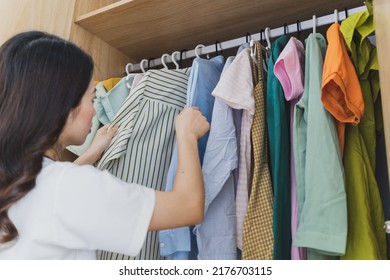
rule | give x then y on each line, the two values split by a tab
146	29
118	32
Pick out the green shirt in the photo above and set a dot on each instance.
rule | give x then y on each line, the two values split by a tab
319	171
366	236
279	145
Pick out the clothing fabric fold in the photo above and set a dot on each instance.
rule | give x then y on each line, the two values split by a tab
366	237
289	69
216	235
142	149
176	243
322	204
258	240
278	118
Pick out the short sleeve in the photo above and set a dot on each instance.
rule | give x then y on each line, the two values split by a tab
235	87
95	210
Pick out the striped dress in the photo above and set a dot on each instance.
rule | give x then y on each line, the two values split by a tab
141	150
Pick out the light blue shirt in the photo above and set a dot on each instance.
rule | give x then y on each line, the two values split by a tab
107	104
175	244
216	236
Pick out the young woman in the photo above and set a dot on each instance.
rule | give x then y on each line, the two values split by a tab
60	210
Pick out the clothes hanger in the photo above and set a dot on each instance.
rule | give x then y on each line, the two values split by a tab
128	69
299	29
314	24
174	59
197	49
253	50
336	16
248	37
267	33
252	47
216	47
267	48
346	12
163	60
141	64
182	56
149	60
261	36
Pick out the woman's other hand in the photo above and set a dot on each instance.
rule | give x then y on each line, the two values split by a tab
99	144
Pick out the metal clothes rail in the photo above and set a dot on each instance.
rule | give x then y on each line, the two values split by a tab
268	33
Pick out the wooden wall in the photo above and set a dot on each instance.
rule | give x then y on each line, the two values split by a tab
109	62
47	15
57	16
382	31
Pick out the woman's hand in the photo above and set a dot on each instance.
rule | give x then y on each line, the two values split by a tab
191	123
99	144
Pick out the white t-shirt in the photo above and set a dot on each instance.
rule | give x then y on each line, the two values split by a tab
74	210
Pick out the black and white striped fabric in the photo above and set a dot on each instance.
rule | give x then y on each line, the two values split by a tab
141	151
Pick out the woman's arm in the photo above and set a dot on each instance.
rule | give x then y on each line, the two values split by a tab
185	204
100	142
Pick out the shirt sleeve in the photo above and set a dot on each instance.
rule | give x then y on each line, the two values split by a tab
95	210
238	95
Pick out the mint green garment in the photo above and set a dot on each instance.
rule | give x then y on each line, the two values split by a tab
278	123
109	103
79	150
322	205
106	104
366	236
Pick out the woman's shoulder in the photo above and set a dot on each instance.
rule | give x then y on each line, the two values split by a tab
84	179
54	167
60	172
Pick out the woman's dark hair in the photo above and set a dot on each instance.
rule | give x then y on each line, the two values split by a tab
42	78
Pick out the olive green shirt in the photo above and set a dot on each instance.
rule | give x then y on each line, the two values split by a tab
366	236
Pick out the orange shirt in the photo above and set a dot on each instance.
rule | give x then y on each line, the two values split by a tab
341	93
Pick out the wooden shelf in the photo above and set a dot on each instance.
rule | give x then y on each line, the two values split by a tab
146	28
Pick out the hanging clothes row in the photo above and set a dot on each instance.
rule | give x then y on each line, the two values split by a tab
289	161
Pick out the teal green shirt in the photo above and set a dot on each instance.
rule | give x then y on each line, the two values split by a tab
321	193
278	123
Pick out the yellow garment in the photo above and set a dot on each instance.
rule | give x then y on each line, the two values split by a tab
366	236
257	237
109	83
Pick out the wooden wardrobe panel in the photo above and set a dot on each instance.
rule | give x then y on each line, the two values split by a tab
109	62
149	28
87	6
53	16
382	31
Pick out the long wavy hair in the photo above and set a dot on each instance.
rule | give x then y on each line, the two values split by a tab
42	79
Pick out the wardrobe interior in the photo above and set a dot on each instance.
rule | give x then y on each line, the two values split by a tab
116	32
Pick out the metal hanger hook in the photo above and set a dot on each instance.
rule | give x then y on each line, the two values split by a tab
174	59
129	68
197	50
216	47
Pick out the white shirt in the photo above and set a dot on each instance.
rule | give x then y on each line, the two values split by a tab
236	90
74	210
